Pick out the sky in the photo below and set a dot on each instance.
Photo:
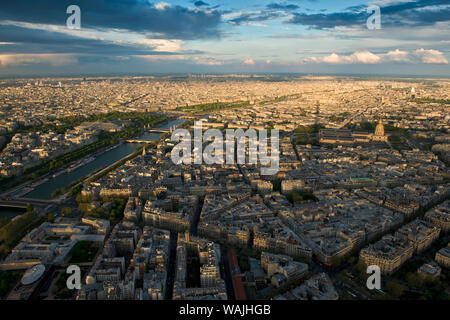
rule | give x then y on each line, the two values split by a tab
225	36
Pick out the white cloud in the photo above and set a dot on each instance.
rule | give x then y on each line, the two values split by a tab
118	36
23	59
367	57
384	3
162	5
359	57
431	56
158	45
397	56
208	62
249	62
233	15
256	24
162	57
333	59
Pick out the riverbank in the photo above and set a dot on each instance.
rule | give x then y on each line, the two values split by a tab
28	187
105	139
10	213
45	186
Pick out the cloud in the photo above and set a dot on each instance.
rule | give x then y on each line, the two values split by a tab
208	61
359	57
278	6
367	57
431	56
248	62
162	5
200	3
328	21
394	14
162	57
169	22
251	17
158	45
43	38
7	60
397	56
383	3
270	12
199	60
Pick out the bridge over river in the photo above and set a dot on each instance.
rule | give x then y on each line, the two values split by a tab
23	202
158	130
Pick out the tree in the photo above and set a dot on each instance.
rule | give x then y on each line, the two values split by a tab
50	217
66	211
7	280
352	260
277	185
76	190
395	289
15	227
414	280
56	193
30	207
3	222
336	261
3	250
361	268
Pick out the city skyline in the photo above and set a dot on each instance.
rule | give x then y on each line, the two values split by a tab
143	37
225	156
91	185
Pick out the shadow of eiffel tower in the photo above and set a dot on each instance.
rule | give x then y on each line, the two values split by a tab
317	115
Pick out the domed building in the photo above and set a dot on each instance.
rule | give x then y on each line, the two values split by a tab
379	133
33	274
31	284
379	130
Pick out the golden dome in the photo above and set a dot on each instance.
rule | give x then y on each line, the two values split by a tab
379	130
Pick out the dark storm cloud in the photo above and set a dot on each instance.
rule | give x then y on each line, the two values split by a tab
278	6
271	11
419	13
256	17
200	4
330	20
174	22
38	41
